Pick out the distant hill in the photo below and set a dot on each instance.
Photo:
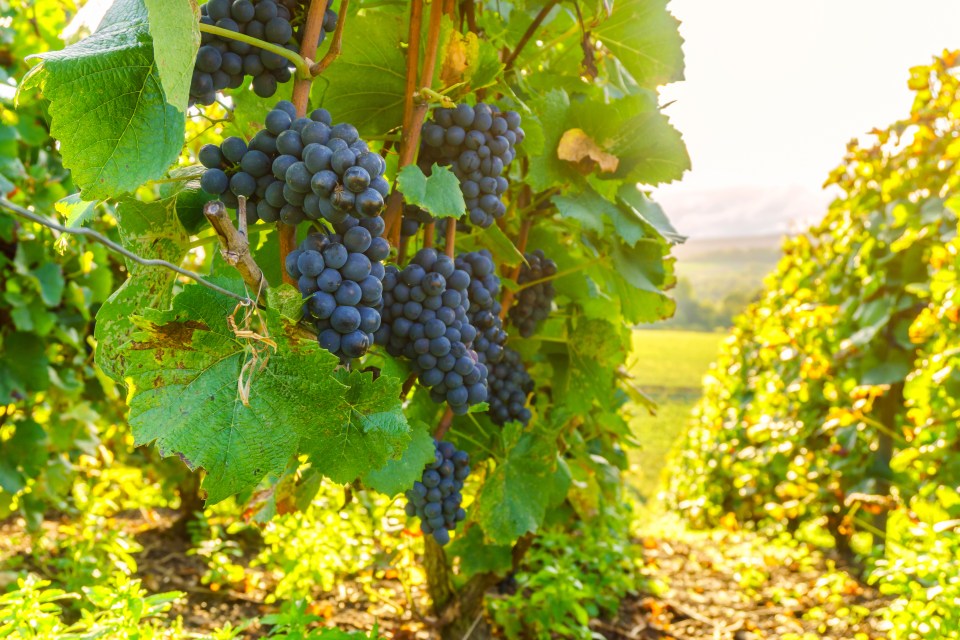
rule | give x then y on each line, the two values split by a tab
719	267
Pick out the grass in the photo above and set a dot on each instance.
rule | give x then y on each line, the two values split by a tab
672	359
668	366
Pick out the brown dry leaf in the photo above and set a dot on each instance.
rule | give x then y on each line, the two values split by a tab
577	147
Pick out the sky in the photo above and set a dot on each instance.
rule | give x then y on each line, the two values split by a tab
773	92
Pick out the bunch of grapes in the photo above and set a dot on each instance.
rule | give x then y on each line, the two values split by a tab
222	63
275	171
436	497
484	310
425	320
534	302
478	143
413	217
340	277
327	171
509	385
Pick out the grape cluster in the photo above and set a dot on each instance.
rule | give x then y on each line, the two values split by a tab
484	310
533	303
340	277
297	169
478	142
436	497
222	63
413	217
509	384
425	320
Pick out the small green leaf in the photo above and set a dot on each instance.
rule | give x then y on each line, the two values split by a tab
51	282
398	475
176	37
75	210
286	300
23	367
439	194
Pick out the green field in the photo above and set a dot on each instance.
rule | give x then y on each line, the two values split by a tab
668	366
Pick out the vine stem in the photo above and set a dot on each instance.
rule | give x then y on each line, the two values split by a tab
410	140
303	69
450	240
428	233
335	45
113	246
392	215
537	21
508	295
444	424
301	98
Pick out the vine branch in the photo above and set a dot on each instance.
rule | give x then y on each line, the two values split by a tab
335	45
235	245
113	246
394	210
532	29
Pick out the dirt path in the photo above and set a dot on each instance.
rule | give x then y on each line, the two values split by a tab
734	586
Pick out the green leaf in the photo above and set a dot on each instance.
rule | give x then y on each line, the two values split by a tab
514	499
75	210
648	149
23	367
186	365
366	86
476	556
398	475
51	282
648	212
150	230
637	278
286	300
587	208
176	37
645	38
439	194
108	108
493	239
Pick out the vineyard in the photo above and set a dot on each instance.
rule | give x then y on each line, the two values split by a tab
831	408
334	289
319	319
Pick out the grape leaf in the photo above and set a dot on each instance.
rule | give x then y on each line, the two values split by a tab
398	475
287	300
23	367
366	86
478	557
75	209
514	499
108	107
185	365
150	230
649	212
644	37
176	37
632	129
439	194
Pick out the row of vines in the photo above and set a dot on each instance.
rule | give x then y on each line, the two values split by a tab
833	404
396	246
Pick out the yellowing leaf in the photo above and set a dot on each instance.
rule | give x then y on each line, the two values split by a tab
577	147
